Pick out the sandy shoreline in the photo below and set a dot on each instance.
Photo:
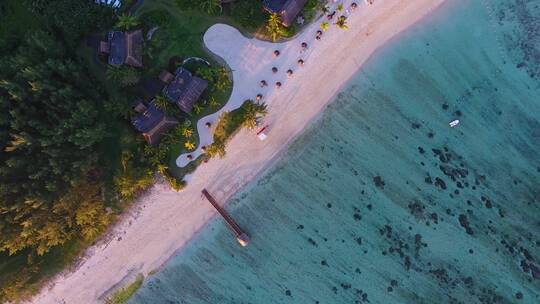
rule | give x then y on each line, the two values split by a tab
163	221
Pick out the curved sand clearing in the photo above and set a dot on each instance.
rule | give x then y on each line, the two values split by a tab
251	61
162	221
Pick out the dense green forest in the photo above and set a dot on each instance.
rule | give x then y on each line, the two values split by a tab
54	120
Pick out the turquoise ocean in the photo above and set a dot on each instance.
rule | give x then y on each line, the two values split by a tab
379	200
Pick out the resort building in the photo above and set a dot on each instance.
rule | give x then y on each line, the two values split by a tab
287	9
183	88
151	122
123	48
113	3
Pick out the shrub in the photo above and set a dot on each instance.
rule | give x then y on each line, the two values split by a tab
217	76
122	295
126	76
175	183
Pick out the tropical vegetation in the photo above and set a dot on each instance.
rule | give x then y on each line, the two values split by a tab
342	23
274	27
70	161
248	116
212	7
124	75
126	22
325	26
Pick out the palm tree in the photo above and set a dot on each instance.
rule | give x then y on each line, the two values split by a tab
127	22
342	23
161	103
197	108
339	7
189	145
161	168
325	26
211	6
125	76
130	76
187	132
253	113
217	148
275	27
17	141
213	103
170	138
114	73
206	73
223	81
325	9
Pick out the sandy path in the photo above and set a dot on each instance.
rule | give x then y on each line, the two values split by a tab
163	221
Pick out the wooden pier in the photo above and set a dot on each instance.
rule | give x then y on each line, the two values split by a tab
241	236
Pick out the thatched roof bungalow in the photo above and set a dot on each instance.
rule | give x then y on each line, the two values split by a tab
183	88
124	48
151	122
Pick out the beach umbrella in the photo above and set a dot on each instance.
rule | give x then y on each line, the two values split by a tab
274	69
300	62
276	53
289	73
278	84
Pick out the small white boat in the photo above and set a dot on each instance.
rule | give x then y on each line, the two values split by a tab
454	123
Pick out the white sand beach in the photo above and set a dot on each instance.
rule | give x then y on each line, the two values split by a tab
162	221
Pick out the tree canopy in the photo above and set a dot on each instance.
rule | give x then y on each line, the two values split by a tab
49	128
72	18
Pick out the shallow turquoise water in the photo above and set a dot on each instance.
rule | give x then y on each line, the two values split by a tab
379	201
